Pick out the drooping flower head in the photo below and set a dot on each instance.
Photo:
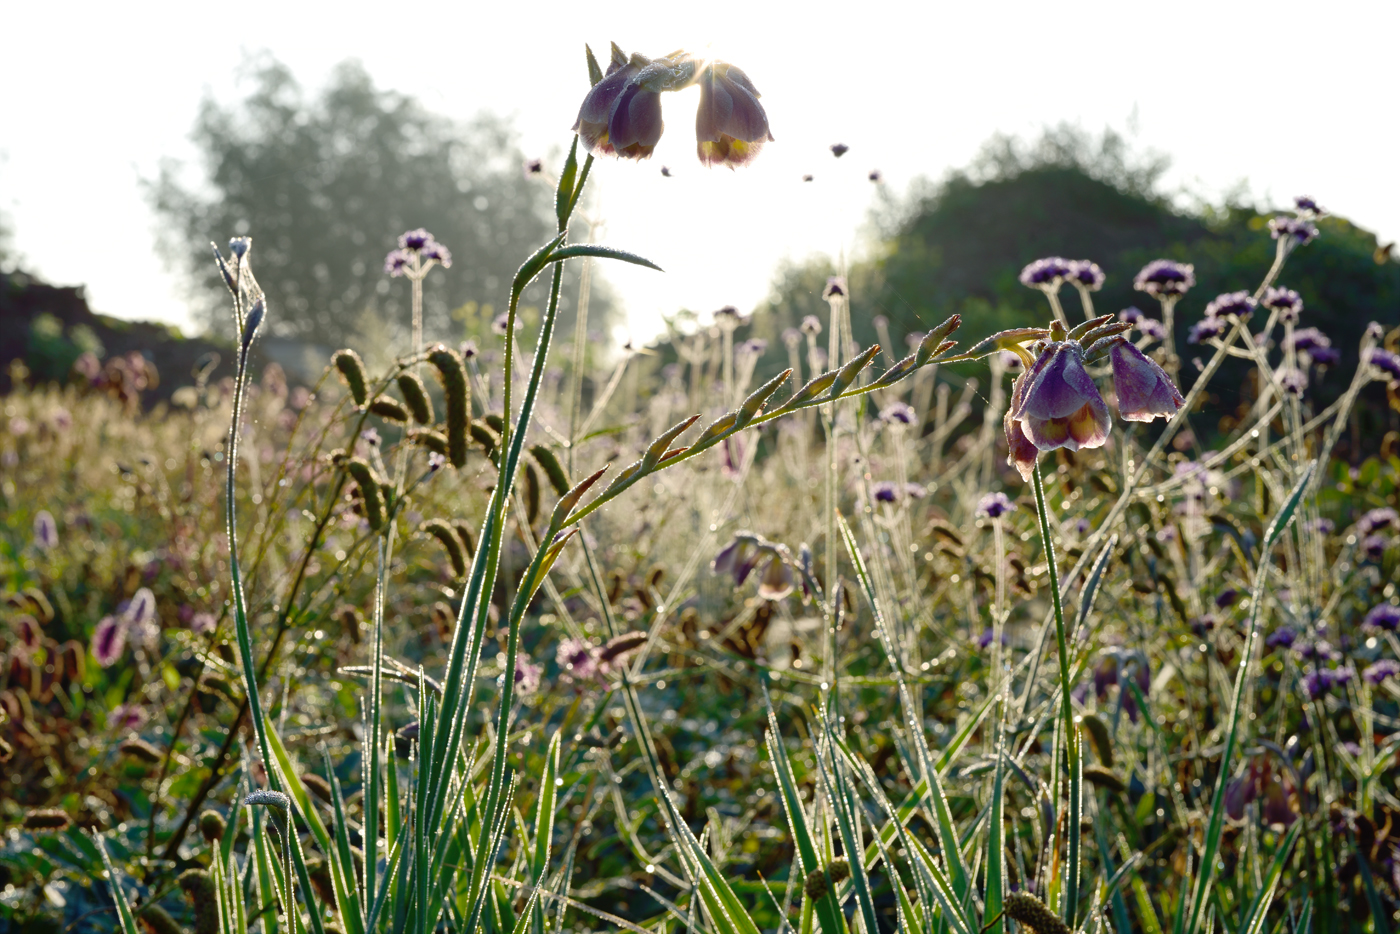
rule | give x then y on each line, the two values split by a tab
1085	274
995	505
1239	304
1046	274
1286	303
596	112
1143	388
1164	278
1062	406
731	126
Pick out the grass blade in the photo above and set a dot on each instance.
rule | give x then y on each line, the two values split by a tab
1206	877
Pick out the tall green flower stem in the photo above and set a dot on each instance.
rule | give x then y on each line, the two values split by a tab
1070	898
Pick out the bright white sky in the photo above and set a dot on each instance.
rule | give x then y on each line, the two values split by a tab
1286	97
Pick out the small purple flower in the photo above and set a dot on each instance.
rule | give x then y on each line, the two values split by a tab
885	491
126	717
436	461
578	659
432	250
1317	682
1207	329
811	324
1046	274
1227	598
988	636
45	530
754	346
141	610
1324	526
1385	361
1373	546
995	505
1204	624
835	286
915	490
1383	616
1381	518
1152	329
109	640
1293	380
1282	637
1318	650
1284	227
533	167
1085	274
201	623
1131	315
371	437
1305	204
595	114
1287	303
839	149
1143	388
527	678
792	337
1021	452
397	262
1061	407
500	323
898	412
468	349
1379	671
1239	304
414	239
731	126
1163	278
1307	340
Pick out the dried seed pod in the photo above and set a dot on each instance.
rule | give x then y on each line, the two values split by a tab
46	819
389	409
434	441
140	749
157	920
198	887
42	608
840	869
350	621
620	646
1102	777
456	391
352	370
1031	911
532	494
415	397
1098	735
212	826
496	423
370	488
552	468
464	532
485	437
317	785
447	537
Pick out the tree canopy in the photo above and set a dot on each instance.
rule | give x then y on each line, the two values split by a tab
325	185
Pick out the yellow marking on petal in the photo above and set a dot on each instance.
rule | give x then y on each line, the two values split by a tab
1084	427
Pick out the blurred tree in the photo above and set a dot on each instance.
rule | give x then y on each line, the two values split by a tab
325	187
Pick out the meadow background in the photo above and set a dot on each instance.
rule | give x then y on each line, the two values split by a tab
123	701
